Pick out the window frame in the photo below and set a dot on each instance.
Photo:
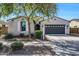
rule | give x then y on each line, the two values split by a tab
21	26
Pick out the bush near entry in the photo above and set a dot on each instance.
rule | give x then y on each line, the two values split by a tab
38	34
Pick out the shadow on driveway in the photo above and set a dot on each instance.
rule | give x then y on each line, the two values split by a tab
64	47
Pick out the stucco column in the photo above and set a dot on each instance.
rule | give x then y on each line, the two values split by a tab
43	32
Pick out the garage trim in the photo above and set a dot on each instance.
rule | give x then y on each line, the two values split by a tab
51	24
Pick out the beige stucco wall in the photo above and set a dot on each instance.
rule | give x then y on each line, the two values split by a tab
14	27
57	21
74	23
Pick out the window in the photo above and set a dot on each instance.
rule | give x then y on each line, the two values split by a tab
23	25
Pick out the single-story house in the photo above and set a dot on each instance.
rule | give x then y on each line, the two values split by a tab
74	23
52	26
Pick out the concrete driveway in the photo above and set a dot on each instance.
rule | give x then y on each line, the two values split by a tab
64	45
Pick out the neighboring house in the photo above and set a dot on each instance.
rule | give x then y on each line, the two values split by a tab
56	25
3	27
74	26
52	26
19	25
74	23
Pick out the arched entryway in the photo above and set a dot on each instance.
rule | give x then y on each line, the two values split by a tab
37	26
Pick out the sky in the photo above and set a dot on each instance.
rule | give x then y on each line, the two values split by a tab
68	11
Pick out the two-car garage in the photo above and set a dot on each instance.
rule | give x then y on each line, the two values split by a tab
55	26
54	29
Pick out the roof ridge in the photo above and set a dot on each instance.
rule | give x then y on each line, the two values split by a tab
61	18
74	19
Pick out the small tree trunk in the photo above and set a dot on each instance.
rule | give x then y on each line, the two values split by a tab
29	28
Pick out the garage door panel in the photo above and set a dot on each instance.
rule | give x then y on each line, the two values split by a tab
55	29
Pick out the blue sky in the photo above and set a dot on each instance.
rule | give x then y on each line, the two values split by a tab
68	10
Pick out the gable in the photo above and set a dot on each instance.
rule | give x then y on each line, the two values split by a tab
21	19
56	20
18	19
15	20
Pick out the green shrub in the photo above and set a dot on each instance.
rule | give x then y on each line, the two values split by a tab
17	45
38	34
1	45
9	36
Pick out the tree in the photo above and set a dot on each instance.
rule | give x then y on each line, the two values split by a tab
30	10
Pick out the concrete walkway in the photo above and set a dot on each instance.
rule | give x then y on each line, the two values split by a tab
35	43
